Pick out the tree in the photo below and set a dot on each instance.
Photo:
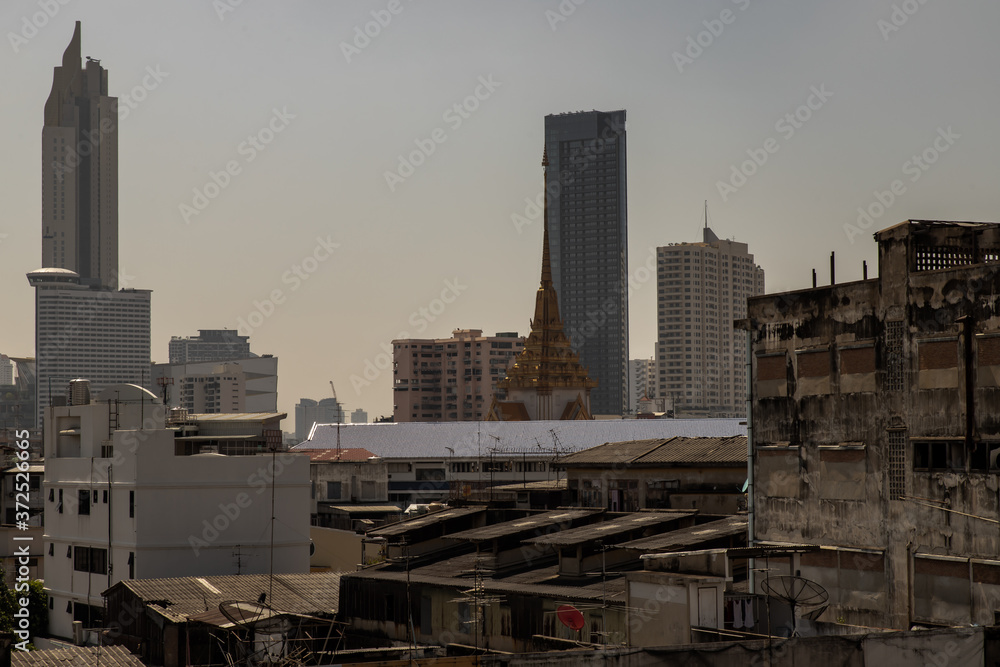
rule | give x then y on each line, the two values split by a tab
38	607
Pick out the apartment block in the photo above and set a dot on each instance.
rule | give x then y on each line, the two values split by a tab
700	359
450	379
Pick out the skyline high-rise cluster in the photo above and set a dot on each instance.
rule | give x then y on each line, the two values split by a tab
700	359
588	240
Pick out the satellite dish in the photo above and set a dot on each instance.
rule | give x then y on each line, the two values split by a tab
571	617
795	591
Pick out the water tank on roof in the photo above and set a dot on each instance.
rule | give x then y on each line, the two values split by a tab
79	392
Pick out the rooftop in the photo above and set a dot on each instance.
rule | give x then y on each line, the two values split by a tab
181	597
612	527
321	455
677	450
524	525
424	520
473	439
76	656
683	538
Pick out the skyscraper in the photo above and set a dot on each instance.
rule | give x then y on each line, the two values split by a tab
85	327
80	172
588	240
700	359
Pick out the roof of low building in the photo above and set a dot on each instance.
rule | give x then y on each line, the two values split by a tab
325	455
612	527
236	416
424	520
525	524
178	598
76	656
684	538
677	450
474	439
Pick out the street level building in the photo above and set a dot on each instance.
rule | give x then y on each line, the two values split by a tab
129	497
875	433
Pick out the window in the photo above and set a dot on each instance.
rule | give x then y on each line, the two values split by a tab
83	501
938	455
333	490
90	559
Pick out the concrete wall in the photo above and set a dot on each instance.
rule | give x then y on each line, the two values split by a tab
850	379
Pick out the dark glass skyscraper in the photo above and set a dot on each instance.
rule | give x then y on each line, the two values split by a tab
588	230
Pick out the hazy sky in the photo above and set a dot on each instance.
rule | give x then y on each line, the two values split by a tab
309	215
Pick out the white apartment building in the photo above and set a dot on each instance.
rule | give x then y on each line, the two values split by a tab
641	380
98	334
210	386
700	359
124	500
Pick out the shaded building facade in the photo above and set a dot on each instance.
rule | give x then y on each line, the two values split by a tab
588	229
875	433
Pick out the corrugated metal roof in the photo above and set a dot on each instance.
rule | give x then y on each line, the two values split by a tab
76	656
683	538
429	519
604	529
471	439
540	485
677	450
320	455
236	416
525	524
613	588
314	593
363	509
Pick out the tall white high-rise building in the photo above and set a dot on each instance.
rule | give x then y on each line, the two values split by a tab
700	359
80	171
95	334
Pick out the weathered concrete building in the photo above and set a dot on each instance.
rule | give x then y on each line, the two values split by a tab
876	432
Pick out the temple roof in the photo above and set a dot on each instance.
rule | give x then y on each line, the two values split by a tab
548	359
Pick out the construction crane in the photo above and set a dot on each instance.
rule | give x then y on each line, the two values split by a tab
333	390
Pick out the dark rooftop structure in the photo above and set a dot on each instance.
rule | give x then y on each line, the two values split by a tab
727	530
660	451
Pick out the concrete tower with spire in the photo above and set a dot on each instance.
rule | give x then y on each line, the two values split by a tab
547	380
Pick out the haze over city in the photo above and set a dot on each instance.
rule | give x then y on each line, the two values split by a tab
331	176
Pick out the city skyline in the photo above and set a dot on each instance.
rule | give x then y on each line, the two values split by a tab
283	169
